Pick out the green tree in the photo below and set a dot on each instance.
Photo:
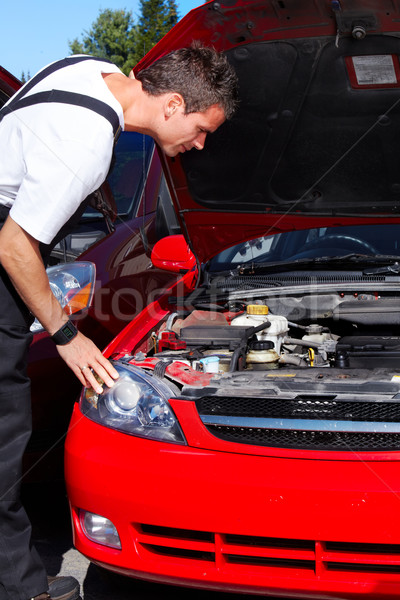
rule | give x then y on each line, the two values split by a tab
112	36
156	19
24	78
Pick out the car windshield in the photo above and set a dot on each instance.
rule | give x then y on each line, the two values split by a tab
365	240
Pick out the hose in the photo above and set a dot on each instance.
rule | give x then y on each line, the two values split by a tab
290	359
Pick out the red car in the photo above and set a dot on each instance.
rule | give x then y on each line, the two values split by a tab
138	209
8	85
252	441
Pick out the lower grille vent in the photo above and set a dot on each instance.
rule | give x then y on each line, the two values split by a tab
262	561
360	548
181	534
267	542
360	568
308	557
181	552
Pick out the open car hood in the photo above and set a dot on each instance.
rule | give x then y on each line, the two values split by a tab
316	138
8	85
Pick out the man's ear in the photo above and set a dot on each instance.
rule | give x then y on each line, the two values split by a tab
173	103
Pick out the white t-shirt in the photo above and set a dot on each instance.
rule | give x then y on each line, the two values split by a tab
54	155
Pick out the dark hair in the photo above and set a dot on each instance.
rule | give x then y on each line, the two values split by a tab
200	74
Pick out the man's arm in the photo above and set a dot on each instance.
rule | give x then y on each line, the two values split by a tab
20	257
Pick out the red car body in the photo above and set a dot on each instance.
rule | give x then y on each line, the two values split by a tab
8	84
279	479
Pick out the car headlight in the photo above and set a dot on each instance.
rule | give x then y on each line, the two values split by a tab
73	286
137	404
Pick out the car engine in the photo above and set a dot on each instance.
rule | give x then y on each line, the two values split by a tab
359	333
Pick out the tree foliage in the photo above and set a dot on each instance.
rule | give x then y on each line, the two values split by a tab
24	78
112	36
115	36
157	18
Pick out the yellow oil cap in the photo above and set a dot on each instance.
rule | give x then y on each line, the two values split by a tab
257	309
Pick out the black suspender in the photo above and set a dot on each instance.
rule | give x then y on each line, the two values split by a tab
20	100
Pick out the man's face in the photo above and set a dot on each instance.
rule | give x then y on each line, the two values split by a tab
182	132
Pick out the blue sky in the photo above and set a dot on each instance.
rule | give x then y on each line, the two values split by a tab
36	33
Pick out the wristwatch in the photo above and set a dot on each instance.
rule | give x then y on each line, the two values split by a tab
65	334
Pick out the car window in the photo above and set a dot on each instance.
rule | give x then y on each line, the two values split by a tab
246	251
377	239
132	155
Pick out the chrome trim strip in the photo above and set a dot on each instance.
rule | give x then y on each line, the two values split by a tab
302	424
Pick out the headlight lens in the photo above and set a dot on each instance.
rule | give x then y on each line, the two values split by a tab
73	286
137	404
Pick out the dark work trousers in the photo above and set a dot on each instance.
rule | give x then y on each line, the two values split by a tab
22	574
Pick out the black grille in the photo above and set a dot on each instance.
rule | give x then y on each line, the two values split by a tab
361	568
262	561
302	407
268	542
181	534
180	552
313	440
359	548
265	553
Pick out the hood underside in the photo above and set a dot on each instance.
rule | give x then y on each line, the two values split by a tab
316	136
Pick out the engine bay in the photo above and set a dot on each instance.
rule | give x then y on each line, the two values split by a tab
335	330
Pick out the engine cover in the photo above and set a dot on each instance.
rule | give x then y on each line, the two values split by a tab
368	352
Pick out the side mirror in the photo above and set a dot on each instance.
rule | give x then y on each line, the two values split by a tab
173	254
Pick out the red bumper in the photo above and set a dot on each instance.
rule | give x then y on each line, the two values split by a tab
237	522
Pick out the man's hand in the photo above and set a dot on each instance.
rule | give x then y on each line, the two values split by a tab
86	361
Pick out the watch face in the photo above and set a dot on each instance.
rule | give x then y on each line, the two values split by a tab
65	334
69	331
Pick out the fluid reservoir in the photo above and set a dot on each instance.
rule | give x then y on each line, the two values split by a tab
262	356
210	364
224	356
259	313
316	333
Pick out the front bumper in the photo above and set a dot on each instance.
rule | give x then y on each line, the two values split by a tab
236	522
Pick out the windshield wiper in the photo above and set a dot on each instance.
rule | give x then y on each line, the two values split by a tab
318	261
385	270
250	269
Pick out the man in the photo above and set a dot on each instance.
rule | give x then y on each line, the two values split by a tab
56	141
